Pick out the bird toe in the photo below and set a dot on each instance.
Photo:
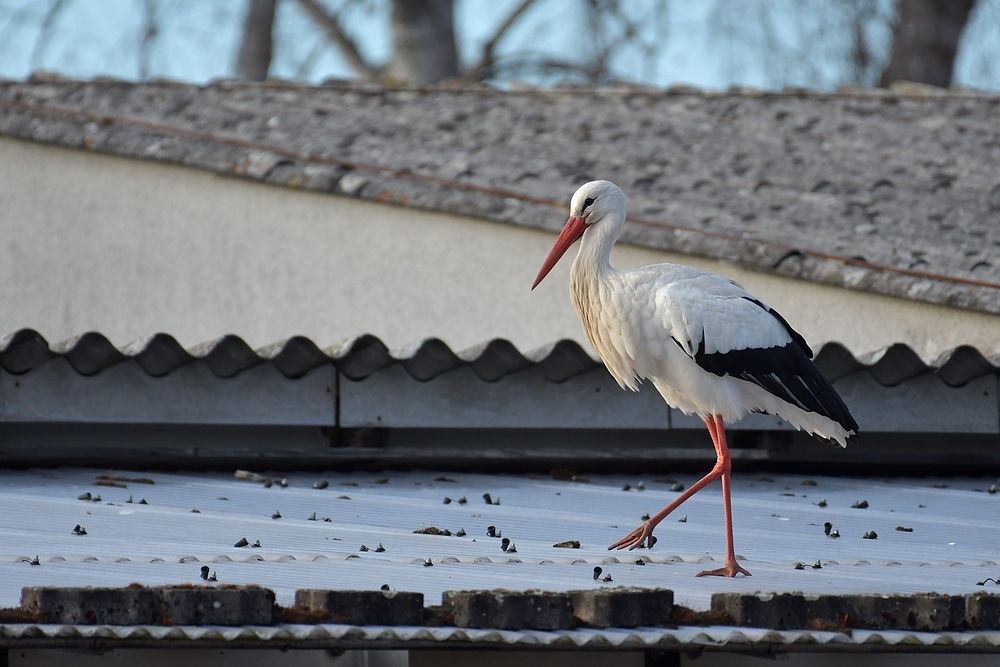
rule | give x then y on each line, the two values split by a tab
730	570
634	539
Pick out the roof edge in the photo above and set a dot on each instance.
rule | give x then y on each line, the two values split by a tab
696	638
227	356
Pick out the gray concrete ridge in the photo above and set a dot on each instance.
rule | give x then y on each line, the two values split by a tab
363	607
136	605
510	610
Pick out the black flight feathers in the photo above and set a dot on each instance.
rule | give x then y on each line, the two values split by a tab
796	336
786	372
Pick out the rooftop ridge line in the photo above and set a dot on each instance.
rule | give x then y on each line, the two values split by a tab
902	89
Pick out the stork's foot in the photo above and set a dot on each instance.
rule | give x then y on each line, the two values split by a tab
730	570
633	540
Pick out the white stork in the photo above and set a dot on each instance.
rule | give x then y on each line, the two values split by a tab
707	345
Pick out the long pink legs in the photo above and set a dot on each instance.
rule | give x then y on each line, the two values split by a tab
723	464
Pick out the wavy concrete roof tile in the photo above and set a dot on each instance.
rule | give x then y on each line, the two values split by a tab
358	357
692	638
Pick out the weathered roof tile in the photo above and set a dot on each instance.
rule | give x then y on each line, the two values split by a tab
889	192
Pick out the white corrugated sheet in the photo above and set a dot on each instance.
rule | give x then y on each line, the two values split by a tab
778	523
721	637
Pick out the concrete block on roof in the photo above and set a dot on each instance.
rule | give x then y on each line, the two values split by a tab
919	613
215	605
134	605
509	610
364	607
622	607
982	611
924	613
774	611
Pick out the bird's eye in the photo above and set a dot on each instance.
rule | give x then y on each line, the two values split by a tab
588	202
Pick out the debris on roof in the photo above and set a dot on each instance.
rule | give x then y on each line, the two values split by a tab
927	587
163	543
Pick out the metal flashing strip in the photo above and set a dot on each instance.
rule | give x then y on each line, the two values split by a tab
458	399
191	394
393	399
683	638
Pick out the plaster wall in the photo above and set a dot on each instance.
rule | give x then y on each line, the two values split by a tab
129	248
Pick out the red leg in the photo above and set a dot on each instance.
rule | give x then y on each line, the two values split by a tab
643	532
731	568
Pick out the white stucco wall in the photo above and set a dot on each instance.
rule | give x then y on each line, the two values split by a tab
129	248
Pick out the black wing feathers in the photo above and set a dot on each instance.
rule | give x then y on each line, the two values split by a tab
796	336
786	372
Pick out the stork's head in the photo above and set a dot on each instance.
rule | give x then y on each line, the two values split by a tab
593	203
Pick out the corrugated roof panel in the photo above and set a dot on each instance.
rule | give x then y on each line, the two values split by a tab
359	357
964	363
693	638
158	354
227	355
778	523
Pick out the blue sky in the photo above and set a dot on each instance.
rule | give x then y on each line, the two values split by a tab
707	43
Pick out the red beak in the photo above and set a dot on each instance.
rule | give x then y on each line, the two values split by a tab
574	229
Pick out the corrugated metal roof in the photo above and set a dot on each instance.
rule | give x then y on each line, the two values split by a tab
358	357
778	523
630	639
797	184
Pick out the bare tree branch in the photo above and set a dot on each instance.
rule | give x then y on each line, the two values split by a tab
42	42
150	31
346	45
541	64
305	67
257	48
790	45
861	55
598	65
488	56
616	29
18	19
